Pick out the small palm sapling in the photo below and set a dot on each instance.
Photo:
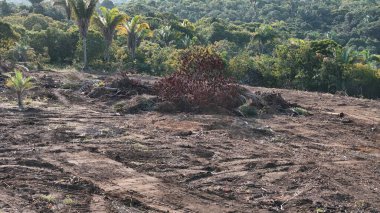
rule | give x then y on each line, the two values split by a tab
19	84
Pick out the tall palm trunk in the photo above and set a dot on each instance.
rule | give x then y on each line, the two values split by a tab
83	10
108	42
133	52
84	33
107	53
132	44
84	40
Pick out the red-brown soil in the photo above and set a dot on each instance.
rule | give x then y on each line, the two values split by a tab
71	153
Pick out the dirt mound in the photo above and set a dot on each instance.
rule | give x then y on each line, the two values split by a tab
115	87
274	101
126	84
264	103
136	104
47	81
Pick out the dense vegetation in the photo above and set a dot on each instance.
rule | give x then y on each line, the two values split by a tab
317	45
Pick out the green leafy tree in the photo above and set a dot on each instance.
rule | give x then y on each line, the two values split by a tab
363	80
36	5
83	11
65	5
107	4
263	35
19	84
5	8
7	36
107	22
36	22
64	41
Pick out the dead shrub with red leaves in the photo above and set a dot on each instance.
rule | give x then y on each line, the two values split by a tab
200	83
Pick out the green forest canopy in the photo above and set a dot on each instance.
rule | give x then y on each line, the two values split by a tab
314	45
351	22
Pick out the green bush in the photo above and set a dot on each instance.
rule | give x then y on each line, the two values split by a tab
8	36
248	110
161	60
95	46
61	45
58	44
309	65
253	70
243	68
36	22
362	80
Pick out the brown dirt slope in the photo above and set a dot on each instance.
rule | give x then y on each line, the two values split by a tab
70	153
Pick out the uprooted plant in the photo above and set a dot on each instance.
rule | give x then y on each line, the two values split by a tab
19	84
200	83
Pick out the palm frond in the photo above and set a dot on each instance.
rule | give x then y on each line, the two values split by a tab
18	82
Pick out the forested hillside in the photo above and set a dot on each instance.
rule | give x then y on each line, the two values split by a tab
328	46
354	23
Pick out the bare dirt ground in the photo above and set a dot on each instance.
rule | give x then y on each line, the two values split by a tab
71	153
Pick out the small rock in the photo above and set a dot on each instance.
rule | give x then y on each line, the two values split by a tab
346	120
183	133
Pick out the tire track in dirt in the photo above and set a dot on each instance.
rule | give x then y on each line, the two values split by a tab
126	183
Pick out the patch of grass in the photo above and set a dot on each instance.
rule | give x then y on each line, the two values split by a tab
300	111
247	110
48	198
70	85
320	210
100	84
141	147
68	201
4	99
119	107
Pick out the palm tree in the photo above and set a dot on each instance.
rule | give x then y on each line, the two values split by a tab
188	25
19	84
20	50
65	5
165	36
366	57
83	11
186	41
136	30
107	23
347	55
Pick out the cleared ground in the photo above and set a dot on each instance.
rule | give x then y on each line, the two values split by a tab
72	153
